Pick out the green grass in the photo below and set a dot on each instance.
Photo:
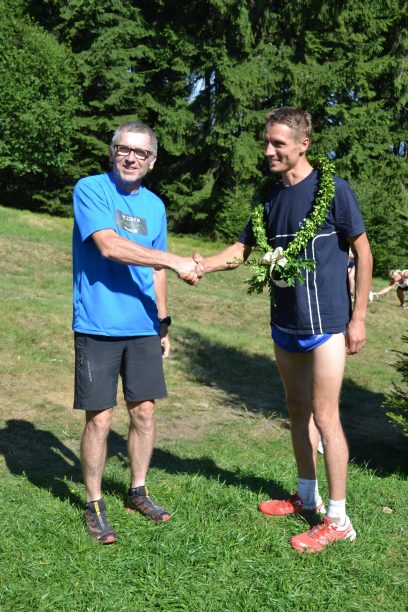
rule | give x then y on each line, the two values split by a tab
223	445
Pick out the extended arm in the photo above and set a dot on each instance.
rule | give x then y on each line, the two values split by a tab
124	251
356	336
386	289
228	259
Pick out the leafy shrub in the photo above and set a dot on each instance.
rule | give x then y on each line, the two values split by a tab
397	401
38	101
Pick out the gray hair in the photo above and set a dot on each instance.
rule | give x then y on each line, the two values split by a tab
139	128
294	118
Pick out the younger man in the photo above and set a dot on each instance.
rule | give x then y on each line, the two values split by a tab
312	324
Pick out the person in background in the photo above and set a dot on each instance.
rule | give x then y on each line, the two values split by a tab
120	317
398	281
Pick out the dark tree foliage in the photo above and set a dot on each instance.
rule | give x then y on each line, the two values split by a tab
205	73
38	100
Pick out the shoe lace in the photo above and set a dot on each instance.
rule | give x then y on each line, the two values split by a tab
324	532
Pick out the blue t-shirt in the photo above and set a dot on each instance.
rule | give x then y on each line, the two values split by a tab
110	298
322	304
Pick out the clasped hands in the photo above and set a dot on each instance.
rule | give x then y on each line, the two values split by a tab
190	269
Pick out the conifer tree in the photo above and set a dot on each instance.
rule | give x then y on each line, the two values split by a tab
205	75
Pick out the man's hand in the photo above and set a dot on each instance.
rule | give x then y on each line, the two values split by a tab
188	270
165	342
355	337
199	259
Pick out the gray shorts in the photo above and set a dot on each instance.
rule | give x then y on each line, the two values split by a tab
100	359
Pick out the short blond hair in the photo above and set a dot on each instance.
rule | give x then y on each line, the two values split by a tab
298	120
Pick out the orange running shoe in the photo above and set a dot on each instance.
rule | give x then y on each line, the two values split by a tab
321	535
293	505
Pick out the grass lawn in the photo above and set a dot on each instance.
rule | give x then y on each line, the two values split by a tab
222	446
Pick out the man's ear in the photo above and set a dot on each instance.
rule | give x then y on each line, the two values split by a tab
151	165
304	145
111	154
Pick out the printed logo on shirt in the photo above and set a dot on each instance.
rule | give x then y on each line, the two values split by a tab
132	224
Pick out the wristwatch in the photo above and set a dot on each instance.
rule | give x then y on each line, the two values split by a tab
165	320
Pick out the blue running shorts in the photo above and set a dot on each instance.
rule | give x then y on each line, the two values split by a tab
297	343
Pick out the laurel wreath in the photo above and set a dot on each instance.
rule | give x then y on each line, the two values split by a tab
282	267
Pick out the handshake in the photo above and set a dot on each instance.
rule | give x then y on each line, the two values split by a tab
189	269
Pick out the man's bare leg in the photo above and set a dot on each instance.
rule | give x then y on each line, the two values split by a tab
312	384
328	370
93	450
296	374
140	448
140	439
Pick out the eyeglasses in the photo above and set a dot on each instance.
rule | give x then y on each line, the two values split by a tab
124	151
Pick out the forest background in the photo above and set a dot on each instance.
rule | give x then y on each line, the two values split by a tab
204	74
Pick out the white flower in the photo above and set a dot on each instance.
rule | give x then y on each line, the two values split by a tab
273	258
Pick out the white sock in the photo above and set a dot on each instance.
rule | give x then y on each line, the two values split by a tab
337	510
308	492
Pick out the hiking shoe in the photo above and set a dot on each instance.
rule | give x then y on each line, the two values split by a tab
139	500
293	505
98	526
321	535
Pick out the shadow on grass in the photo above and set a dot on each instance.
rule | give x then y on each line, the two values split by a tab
373	440
248	380
41	457
253	381
47	463
204	466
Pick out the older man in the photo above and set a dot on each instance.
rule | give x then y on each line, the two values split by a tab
120	317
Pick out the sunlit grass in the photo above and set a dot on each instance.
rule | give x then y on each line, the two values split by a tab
223	445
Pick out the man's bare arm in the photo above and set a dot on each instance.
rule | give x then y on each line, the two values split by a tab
228	259
124	251
355	338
